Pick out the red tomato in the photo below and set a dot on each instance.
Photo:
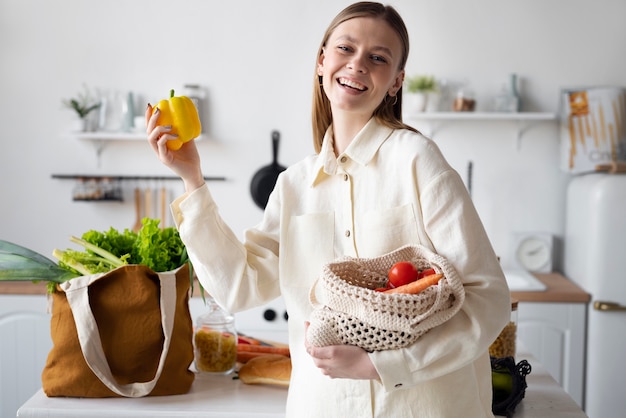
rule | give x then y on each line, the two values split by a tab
402	273
426	272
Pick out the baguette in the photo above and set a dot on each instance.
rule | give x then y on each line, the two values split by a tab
268	369
417	286
245	356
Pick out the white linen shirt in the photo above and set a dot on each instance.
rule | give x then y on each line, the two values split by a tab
388	189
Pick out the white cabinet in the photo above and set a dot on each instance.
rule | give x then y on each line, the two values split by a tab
24	345
555	334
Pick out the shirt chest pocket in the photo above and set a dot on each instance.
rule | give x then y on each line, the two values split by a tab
379	232
307	247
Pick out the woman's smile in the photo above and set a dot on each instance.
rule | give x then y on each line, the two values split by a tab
351	84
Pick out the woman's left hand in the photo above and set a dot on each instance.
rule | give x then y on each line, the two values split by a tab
341	361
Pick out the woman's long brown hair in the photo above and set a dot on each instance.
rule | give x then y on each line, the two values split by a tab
389	112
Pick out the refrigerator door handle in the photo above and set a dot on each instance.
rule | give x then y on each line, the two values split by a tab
600	305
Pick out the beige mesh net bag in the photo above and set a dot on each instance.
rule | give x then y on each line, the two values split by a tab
347	309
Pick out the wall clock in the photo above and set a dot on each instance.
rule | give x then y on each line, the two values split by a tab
533	251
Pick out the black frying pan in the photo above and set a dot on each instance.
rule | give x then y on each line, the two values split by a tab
264	180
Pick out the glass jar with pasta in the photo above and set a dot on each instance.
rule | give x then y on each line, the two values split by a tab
504	345
215	341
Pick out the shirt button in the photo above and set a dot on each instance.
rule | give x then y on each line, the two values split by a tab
347	233
398	385
344	159
345	177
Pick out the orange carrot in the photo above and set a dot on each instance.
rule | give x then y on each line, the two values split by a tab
265	349
417	286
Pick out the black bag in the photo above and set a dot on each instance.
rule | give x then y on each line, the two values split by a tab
505	401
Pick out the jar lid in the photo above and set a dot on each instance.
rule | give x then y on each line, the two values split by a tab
215	315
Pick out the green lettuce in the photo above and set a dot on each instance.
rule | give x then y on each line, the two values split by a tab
160	249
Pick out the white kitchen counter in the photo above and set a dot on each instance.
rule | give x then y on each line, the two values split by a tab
210	396
544	396
221	396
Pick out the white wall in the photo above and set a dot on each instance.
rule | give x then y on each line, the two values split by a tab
256	59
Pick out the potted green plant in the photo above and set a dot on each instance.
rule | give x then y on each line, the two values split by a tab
421	83
420	89
83	104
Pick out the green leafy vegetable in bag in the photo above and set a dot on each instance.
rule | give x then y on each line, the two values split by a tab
91	261
21	264
159	249
118	243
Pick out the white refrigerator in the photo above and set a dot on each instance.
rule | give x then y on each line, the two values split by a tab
595	258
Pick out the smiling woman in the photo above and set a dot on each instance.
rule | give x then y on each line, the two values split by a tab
359	66
257	76
373	186
389	49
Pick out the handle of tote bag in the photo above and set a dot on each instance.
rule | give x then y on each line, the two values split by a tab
89	337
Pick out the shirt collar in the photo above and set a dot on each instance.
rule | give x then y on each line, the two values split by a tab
361	150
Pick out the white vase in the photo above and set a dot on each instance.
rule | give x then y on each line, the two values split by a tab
420	102
413	103
79	125
433	99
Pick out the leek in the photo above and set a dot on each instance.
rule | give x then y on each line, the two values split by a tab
21	264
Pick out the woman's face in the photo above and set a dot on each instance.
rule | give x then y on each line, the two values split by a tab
359	65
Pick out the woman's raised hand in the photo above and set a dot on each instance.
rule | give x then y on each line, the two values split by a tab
185	162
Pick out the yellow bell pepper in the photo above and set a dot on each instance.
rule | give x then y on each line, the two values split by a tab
181	114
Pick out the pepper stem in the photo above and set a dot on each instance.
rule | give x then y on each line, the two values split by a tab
171	93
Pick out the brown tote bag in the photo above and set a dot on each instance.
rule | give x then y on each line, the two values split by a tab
125	333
